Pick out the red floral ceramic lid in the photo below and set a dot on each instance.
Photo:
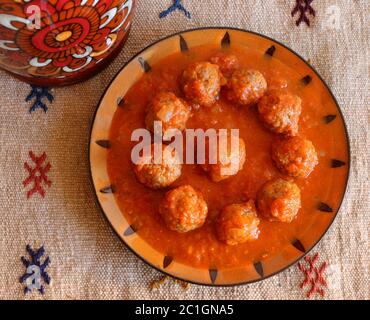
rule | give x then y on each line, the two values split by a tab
60	38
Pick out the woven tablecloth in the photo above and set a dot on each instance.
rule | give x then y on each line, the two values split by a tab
87	260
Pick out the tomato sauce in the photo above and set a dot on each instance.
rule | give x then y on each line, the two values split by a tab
200	248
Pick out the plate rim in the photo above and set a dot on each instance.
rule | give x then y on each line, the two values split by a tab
349	164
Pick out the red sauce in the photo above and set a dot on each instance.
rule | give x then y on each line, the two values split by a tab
200	248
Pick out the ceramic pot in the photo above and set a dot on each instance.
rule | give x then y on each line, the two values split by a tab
61	42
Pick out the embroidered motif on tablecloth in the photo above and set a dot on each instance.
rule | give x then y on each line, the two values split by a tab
177	5
38	96
35	273
37	174
314	275
304	8
156	284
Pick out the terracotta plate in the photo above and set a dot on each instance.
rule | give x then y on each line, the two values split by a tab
99	145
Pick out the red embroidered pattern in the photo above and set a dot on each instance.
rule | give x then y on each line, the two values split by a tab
314	276
37	174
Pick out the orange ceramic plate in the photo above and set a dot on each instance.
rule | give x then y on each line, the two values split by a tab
322	122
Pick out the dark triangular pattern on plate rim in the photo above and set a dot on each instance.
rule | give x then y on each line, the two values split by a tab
183	45
298	245
337	163
144	64
330	118
103	143
167	260
213	275
108	189
226	40
306	80
270	51
120	101
259	268
129	231
324	207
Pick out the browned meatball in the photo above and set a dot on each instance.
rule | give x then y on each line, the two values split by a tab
246	87
228	63
229	163
172	111
183	209
280	112
161	175
238	223
201	83
279	200
294	156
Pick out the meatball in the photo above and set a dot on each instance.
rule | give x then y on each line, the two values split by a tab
155	175
246	87
294	156
183	209
229	162
228	63
279	200
238	223
201	83
166	107
280	112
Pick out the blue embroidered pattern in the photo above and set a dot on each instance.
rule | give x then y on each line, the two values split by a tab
39	94
177	5
35	270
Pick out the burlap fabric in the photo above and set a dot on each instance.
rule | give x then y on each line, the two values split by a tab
87	260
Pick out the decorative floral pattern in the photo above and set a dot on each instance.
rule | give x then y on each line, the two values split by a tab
72	35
